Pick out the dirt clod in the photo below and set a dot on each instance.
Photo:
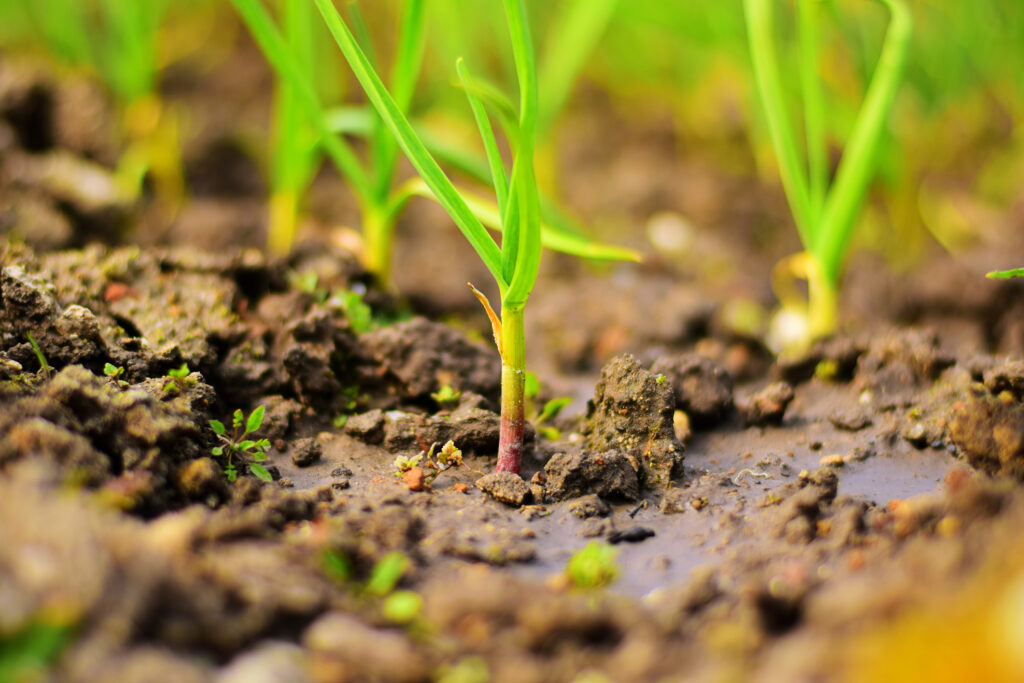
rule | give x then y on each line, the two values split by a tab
575	473
990	432
632	414
768	406
505	487
306	451
590	506
702	389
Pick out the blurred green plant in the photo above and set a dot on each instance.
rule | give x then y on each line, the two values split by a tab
825	211
593	566
27	652
118	41
303	120
236	445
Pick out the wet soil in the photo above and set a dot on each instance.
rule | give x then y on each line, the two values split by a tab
806	518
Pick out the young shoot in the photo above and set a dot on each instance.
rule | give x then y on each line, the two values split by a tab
114	374
303	122
514	264
825	209
237	446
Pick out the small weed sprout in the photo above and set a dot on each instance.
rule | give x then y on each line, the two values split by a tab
114	374
433	465
237	445
446	396
44	365
592	567
397	606
178	380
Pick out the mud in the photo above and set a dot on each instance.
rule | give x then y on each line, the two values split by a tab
825	511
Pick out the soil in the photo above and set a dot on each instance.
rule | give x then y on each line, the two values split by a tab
813	518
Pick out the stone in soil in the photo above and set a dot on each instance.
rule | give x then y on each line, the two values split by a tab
634	534
768	406
590	506
505	487
577	472
306	451
702	389
632	414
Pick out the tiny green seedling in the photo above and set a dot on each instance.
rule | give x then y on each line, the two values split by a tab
237	446
114	374
447	458
446	396
44	365
549	411
593	566
178	380
825	211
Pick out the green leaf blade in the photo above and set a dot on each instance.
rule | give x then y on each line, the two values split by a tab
255	419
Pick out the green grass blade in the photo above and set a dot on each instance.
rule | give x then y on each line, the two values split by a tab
1005	274
357	120
294	153
858	163
780	128
499	179
404	73
274	47
502	107
558	233
809	28
521	243
410	143
362	33
574	35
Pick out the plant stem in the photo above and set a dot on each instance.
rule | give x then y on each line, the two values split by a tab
377	231
822	302
513	389
284	207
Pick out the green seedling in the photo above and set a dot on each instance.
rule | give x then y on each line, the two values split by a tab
593	566
44	365
549	411
118	40
513	265
178	380
433	465
303	123
825	211
251	452
446	396
114	373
